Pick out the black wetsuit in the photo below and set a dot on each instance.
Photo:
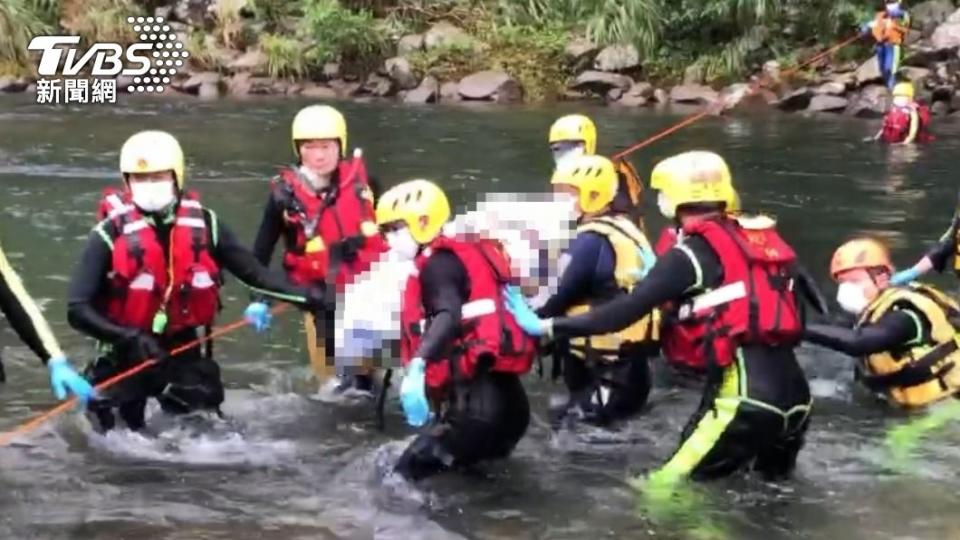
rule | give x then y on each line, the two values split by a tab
600	391
24	316
486	417
893	332
754	412
945	248
273	226
187	382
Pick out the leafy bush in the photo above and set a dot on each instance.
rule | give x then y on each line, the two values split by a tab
337	33
20	20
104	20
285	56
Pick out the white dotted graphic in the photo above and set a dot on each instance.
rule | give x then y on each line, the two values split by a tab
167	51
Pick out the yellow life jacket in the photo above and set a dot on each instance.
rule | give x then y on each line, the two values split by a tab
626	239
956	244
932	364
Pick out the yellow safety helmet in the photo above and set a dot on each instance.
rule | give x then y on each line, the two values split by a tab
733	203
421	204
319	122
595	177
691	178
152	151
575	127
865	253
904	89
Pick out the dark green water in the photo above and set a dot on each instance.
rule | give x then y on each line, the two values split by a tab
288	466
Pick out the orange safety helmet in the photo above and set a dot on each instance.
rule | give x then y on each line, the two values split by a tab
865	253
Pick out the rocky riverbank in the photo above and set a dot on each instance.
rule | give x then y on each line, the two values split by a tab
612	74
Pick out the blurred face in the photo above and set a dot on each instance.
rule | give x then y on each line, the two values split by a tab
569	196
152	192
858	287
400	240
321	156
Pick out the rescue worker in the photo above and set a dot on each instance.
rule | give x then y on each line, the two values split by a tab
907	121
323	209
937	257
904	335
148	281
735	281
576	135
28	322
889	29
607	376
461	349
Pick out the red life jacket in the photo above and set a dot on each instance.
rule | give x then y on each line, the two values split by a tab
897	123
488	328
755	304
140	272
113	202
327	220
677	341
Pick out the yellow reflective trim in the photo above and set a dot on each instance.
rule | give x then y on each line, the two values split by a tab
709	429
39	322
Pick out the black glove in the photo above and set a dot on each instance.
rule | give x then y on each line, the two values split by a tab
351	247
142	346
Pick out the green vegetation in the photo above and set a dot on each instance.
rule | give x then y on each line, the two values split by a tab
711	40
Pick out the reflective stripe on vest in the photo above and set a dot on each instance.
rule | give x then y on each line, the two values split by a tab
700	304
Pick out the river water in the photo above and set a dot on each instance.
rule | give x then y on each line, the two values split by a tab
288	465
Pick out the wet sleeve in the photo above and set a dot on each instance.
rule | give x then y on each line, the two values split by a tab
945	248
271	226
239	261
443	281
590	259
892	331
675	273
24	315
86	282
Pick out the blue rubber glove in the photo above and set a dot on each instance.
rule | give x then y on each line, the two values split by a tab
904	276
413	397
525	316
64	379
258	315
647	259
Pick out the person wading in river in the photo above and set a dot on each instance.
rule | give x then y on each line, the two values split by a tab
148	281
734	280
463	352
905	335
27	320
607	376
323	208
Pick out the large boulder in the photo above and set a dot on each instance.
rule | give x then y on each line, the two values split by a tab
444	34
239	85
581	49
599	82
318	91
345	89
693	93
947	35
872	102
193	84
410	44
399	69
734	94
450	91
916	75
427	92
927	16
196	13
869	71
252	61
617	58
378	85
11	84
826	103
831	88
796	100
209	90
490	85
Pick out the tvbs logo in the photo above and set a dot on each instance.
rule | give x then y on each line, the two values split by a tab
149	64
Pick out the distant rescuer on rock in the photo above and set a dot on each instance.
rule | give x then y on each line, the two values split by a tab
889	29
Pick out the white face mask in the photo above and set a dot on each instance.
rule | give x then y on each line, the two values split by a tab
851	298
665	206
315	181
402	242
901	101
152	196
561	156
